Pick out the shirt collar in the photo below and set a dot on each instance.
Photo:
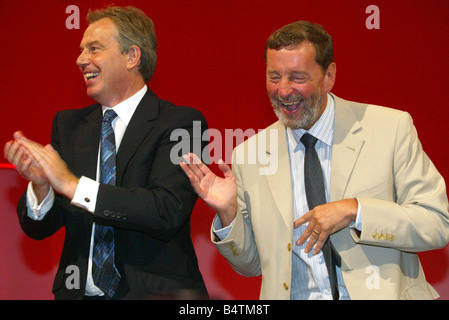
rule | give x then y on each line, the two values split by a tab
126	108
323	129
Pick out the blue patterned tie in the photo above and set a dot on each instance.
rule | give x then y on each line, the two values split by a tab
105	274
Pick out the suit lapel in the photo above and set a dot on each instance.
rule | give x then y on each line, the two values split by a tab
86	145
138	128
279	182
346	148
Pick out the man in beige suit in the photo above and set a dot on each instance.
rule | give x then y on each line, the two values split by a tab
386	201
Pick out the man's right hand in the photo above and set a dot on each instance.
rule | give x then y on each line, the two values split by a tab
26	166
219	193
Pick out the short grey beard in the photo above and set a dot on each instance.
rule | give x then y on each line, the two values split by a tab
311	112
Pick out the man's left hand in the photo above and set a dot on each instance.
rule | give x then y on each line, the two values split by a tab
325	220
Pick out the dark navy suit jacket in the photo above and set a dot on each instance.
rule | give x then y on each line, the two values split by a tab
150	206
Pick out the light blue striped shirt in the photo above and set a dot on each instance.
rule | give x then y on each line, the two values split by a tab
310	279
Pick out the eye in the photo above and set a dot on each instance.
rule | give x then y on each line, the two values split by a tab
299	79
94	48
274	78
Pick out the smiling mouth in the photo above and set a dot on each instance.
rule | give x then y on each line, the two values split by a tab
291	106
90	75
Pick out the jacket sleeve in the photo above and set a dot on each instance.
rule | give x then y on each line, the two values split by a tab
418	219
239	248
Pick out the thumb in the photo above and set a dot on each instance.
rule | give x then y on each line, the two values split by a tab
225	169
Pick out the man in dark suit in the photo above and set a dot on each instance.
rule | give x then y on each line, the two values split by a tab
150	204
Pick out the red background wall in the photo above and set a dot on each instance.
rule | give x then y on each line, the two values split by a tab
211	57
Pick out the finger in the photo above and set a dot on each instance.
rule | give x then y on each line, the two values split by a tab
26	163
320	243
194	165
313	239
8	151
18	134
194	180
25	167
25	142
201	166
17	156
190	159
309	232
304	219
227	171
33	148
316	239
41	156
11	149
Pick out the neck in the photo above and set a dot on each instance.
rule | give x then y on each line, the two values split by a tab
125	93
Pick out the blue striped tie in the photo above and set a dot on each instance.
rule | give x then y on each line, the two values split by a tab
105	274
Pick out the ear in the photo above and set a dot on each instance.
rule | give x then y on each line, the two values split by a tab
329	77
134	54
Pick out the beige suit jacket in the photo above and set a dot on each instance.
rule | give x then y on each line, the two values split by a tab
376	157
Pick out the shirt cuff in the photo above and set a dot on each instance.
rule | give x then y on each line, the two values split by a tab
37	211
218	229
86	194
357	224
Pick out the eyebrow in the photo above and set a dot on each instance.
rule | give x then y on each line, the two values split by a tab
92	43
293	73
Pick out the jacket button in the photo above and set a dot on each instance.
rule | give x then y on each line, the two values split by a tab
289	247
285	286
106	213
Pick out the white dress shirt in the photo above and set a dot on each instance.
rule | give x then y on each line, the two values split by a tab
88	188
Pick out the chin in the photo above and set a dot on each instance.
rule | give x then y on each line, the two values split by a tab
94	94
291	121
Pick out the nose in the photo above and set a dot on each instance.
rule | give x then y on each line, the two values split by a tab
82	60
285	88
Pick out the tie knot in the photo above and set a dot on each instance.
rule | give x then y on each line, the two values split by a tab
308	140
109	115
